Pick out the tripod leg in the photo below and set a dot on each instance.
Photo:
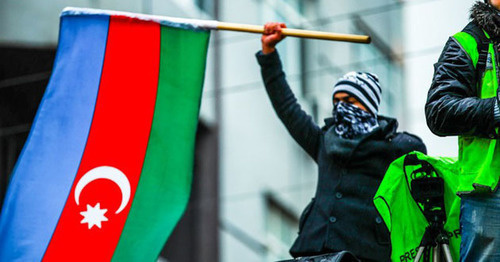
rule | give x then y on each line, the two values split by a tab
427	254
419	253
436	254
447	253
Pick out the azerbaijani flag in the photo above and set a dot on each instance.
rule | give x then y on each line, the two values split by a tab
106	171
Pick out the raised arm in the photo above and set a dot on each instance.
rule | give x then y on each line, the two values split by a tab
299	124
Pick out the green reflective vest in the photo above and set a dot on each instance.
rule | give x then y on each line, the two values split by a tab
479	158
402	215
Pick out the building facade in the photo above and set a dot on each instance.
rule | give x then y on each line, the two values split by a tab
251	179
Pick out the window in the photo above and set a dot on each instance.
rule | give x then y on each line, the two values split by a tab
379	58
24	74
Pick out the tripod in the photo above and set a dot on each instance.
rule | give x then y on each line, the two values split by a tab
435	239
428	191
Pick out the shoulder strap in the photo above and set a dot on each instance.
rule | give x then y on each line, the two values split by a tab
483	43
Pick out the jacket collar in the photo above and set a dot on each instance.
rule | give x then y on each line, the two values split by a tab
487	17
343	148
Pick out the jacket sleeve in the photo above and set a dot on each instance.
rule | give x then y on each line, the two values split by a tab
453	106
299	124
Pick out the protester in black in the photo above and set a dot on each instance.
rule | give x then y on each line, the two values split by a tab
353	151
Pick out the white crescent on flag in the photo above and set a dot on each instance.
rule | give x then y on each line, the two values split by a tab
105	172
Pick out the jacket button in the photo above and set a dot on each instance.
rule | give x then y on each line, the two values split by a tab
378	220
338	195
333	219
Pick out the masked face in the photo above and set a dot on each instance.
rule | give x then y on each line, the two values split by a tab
351	121
346	98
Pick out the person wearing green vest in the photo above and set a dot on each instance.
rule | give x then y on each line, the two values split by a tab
463	101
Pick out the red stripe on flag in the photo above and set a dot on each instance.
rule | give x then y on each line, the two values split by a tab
117	141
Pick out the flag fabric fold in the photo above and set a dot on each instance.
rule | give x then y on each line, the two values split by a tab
106	171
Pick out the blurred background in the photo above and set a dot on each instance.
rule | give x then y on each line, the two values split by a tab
251	180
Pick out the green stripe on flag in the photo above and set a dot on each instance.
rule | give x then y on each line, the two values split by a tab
165	183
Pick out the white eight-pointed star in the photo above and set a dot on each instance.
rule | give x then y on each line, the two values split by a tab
94	216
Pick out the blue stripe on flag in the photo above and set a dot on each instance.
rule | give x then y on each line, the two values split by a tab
48	164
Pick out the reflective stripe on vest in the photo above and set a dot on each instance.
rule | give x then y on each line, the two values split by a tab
479	158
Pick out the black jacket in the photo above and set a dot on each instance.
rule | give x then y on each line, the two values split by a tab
341	216
453	105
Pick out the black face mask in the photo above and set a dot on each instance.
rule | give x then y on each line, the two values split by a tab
352	121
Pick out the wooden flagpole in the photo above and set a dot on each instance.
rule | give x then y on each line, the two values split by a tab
212	24
296	33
